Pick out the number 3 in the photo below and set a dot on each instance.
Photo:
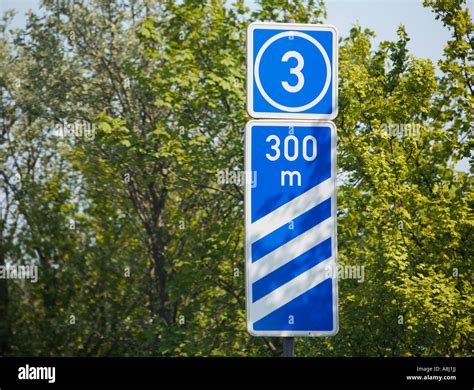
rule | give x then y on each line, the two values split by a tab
274	147
296	71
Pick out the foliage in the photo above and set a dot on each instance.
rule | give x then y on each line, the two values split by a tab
140	246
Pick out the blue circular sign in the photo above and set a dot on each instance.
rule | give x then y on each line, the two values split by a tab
294	83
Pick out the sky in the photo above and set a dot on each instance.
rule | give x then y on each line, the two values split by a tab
427	35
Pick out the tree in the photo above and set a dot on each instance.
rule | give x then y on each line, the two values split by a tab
139	237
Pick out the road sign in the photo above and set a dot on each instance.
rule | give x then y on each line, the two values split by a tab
290	228
292	71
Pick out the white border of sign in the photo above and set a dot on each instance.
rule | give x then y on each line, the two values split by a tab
250	71
248	221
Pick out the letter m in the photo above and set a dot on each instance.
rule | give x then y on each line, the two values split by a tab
290	175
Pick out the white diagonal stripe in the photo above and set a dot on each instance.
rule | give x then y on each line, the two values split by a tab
291	249
289	211
291	290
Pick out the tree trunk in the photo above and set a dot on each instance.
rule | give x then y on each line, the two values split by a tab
4	325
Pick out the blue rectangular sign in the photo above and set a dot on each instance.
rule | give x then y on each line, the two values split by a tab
290	228
292	71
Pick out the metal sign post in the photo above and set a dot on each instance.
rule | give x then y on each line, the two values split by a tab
288	346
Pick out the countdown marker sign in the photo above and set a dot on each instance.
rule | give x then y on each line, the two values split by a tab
290	228
292	71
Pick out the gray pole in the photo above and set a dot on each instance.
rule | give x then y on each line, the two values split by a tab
288	347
